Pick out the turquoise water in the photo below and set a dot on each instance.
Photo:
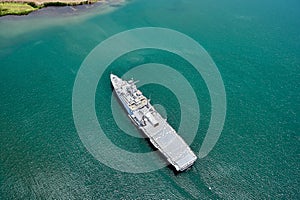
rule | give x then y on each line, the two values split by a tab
255	45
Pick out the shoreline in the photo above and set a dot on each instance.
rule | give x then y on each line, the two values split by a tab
24	7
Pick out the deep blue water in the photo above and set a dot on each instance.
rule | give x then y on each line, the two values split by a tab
256	47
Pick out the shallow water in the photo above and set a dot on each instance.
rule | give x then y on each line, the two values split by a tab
255	45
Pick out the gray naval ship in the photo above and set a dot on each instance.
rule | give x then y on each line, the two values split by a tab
153	125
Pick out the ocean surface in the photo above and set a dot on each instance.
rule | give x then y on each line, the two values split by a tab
256	47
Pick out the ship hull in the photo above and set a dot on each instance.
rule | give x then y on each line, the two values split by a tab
153	125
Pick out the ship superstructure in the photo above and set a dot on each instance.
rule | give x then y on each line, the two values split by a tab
153	125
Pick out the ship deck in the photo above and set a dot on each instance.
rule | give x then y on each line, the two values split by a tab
170	144
156	128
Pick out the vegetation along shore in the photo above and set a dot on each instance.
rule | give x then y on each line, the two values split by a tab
23	7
